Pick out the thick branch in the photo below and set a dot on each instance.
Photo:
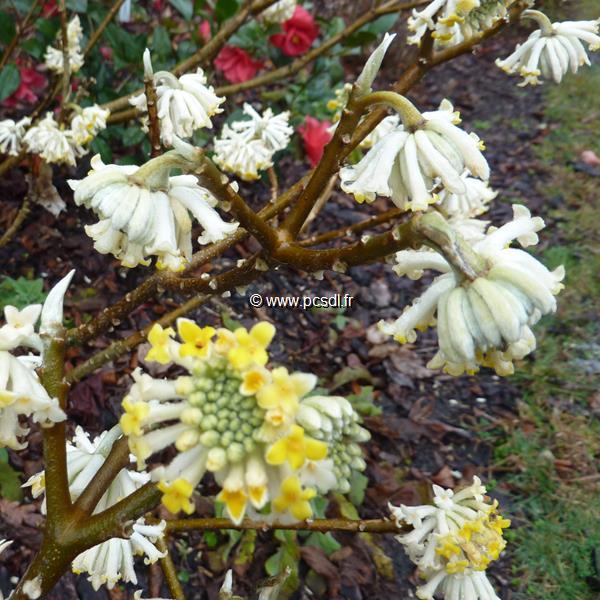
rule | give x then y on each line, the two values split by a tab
58	499
324	525
117	459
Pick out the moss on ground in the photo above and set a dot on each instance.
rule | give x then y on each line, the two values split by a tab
553	452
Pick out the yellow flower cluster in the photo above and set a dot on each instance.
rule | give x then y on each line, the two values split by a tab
238	419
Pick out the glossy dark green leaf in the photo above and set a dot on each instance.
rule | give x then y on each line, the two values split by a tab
9	81
161	43
7	28
185	7
225	9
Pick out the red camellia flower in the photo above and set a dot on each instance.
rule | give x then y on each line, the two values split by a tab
49	8
32	83
299	33
236	64
315	136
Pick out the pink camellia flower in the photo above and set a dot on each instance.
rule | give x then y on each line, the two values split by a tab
236	64
32	83
315	136
204	30
299	33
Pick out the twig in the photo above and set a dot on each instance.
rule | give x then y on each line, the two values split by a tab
319	204
98	32
384	217
21	27
66	76
17	222
152	107
274	182
358	525
168	569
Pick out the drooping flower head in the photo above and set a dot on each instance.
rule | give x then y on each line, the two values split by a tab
113	560
144	212
472	203
11	135
54	56
484	311
552	50
453	541
185	104
279	12
53	142
273	130
246	147
252	426
454	21
407	163
21	393
87	123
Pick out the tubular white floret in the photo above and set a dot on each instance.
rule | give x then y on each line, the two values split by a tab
407	165
485	320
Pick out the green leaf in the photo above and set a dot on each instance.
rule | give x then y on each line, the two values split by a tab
185	7
230	323
7	28
161	43
35	47
10	79
325	541
79	6
358	485
21	292
100	146
371	32
364	402
225	9
48	28
132	136
10	484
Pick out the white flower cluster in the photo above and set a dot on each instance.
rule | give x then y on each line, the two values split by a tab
472	203
247	147
113	560
21	393
454	21
279	12
453	541
184	104
56	143
54	56
552	50
11	135
407	164
144	212
483	320
254	428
